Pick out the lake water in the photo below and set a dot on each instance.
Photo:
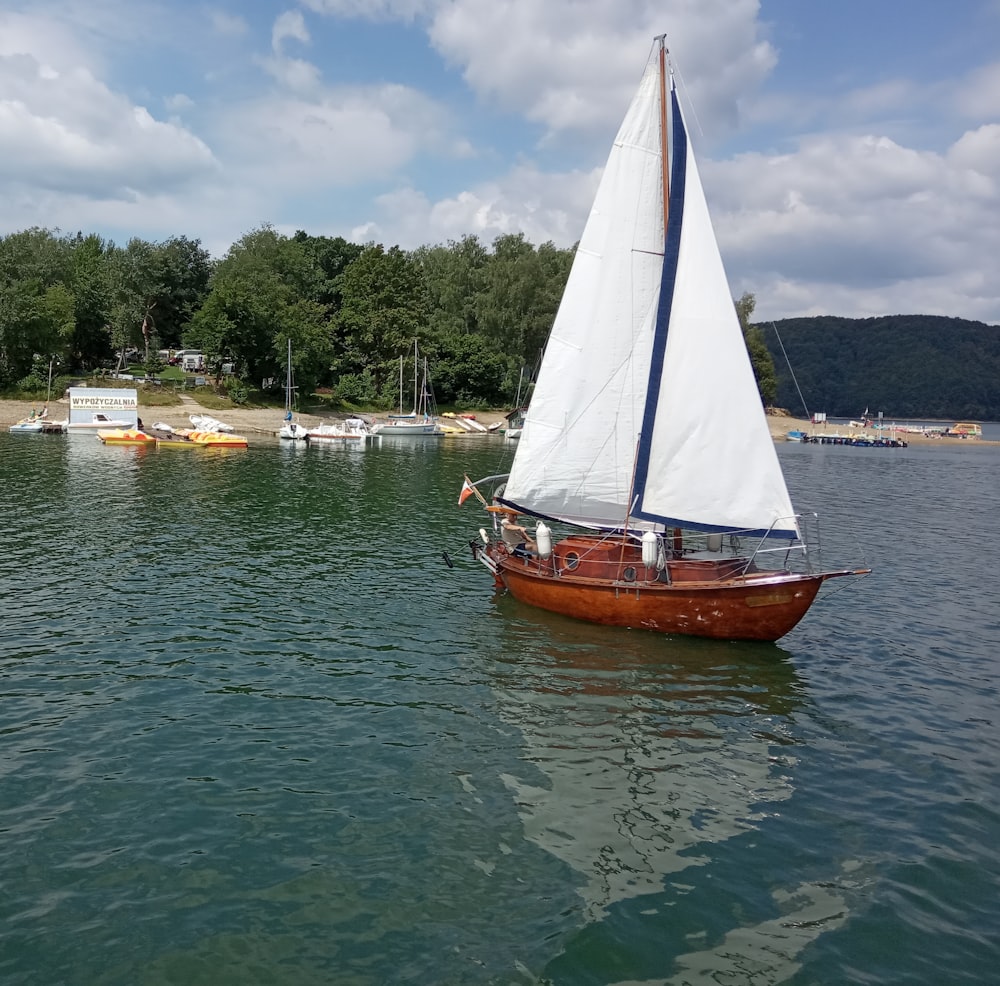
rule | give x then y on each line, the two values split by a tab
253	729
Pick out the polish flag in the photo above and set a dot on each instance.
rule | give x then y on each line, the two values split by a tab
467	490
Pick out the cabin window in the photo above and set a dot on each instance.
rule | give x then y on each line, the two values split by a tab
571	561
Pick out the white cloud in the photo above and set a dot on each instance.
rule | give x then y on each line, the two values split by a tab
229	25
68	130
343	136
861	225
374	10
52	44
979	151
293	73
571	64
178	102
884	196
290	24
979	95
543	206
76	151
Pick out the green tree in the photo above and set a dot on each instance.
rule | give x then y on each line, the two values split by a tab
261	296
36	302
132	296
523	288
760	356
382	310
453	280
91	340
470	372
332	256
181	270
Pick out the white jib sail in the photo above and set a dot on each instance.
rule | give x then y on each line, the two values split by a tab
712	459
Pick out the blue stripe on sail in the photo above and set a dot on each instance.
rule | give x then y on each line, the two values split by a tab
671	248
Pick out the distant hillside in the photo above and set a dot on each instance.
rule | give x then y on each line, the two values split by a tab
907	366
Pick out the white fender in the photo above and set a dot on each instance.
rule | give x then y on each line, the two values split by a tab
543	540
650	544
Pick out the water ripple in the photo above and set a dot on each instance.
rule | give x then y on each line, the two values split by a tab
255	730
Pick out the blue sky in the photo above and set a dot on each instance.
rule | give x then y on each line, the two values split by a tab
850	151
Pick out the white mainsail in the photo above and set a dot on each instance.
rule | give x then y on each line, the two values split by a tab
696	453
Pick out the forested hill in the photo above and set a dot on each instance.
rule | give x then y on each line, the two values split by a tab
907	366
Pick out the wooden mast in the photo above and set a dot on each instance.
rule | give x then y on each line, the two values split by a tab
664	155
678	536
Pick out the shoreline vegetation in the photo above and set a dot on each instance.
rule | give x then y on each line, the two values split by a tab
267	421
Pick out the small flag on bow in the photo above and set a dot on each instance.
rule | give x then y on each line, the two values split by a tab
467	490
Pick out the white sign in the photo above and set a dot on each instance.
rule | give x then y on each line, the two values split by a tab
102	399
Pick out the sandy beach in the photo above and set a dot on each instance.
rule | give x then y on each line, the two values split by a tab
246	421
266	421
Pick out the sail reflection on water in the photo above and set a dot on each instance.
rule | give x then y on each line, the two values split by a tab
641	760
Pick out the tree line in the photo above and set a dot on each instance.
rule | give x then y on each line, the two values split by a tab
479	314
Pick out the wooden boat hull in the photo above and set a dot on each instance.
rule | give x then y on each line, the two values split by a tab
703	598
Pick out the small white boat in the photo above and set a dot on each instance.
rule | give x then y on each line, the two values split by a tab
293	431
465	422
27	426
98	420
416	428
515	423
205	422
350	430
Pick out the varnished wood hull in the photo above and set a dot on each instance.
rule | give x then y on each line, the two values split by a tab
753	606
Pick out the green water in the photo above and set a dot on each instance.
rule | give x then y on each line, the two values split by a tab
253	729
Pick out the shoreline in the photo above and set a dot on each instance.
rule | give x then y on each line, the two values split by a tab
267	421
248	421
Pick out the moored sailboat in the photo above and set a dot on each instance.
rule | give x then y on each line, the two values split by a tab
421	422
646	435
290	428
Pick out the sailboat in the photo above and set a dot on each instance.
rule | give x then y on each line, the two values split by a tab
515	420
290	428
646	436
420	422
